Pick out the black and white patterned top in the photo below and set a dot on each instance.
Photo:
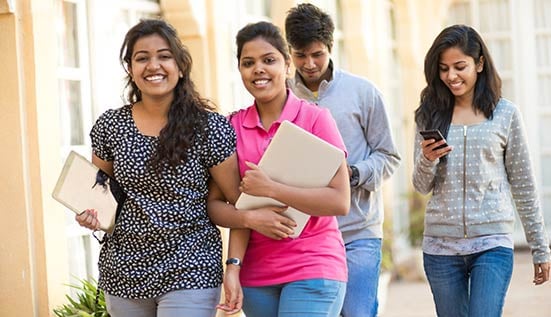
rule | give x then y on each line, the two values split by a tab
163	239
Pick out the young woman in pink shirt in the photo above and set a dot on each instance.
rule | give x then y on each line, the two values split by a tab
272	274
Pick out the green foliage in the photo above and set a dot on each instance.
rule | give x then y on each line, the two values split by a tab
85	303
387	262
417	203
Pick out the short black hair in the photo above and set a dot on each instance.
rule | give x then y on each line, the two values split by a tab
266	30
307	23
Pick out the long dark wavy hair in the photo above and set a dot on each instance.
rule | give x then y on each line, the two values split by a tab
187	115
436	105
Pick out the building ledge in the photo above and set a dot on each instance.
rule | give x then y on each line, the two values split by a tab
7	6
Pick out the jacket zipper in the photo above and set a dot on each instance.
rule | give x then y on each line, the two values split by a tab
464	180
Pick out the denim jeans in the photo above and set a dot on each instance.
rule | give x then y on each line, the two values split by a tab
363	258
470	285
307	298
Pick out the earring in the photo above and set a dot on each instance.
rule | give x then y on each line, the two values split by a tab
181	75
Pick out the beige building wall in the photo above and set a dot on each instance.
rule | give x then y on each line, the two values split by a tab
417	27
33	261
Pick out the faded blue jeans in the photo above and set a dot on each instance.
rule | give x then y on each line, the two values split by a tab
363	258
306	298
470	285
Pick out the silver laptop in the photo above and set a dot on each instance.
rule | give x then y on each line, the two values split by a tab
298	158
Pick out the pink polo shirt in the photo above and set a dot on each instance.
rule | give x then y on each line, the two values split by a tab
319	251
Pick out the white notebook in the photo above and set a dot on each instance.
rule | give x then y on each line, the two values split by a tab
298	158
77	190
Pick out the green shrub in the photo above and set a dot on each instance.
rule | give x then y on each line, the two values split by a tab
85	303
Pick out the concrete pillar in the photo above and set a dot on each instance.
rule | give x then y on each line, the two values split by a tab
189	19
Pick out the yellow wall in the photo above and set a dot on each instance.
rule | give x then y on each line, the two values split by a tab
32	271
417	27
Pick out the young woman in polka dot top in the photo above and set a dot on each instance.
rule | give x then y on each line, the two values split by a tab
164	256
477	181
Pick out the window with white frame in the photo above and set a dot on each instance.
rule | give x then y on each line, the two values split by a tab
75	108
90	80
395	108
497	33
72	73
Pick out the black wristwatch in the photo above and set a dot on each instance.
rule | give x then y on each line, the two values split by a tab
355	177
234	261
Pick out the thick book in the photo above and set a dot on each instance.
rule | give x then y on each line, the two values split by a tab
298	158
82	185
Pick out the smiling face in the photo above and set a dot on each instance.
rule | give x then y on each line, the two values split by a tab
263	71
153	67
312	63
459	72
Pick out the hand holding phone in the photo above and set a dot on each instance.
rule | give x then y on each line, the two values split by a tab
435	135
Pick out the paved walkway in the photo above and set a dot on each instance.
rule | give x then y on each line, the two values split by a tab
414	299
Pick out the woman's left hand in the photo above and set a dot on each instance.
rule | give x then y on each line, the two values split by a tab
233	301
255	182
541	273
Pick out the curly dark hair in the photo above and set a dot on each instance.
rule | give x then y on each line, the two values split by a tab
188	113
436	103
305	24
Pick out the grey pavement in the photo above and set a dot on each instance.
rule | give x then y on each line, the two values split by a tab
414	299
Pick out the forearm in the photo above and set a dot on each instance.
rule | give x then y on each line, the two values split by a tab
238	241
226	215
377	168
313	201
332	200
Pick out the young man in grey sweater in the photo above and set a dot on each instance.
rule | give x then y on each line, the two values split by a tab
359	111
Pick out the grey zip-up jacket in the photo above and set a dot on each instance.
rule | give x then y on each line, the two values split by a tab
359	110
488	175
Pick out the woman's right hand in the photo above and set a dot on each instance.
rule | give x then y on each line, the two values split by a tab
270	222
88	219
429	149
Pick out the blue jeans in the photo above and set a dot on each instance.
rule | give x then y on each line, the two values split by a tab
363	258
470	285
314	297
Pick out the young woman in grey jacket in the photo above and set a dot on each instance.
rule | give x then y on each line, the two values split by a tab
481	175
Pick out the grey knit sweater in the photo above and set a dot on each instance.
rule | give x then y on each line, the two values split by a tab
488	175
359	110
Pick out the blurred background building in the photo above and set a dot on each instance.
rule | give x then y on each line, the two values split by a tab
60	70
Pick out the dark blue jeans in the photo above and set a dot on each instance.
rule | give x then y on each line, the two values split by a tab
471	285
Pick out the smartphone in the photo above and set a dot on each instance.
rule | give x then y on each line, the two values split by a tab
433	134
